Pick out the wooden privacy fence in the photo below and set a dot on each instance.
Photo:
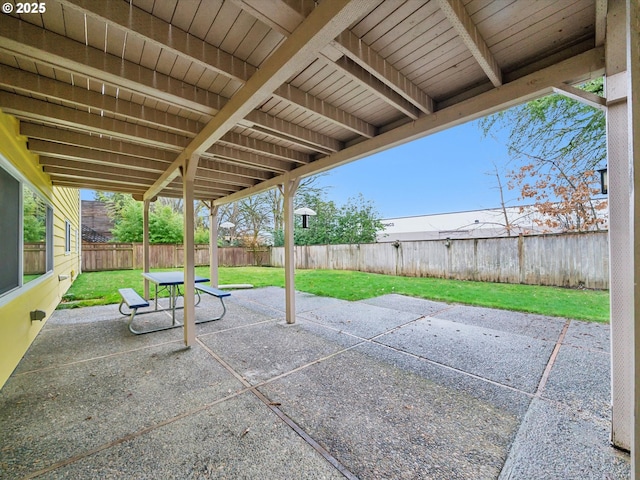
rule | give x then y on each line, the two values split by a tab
35	258
128	256
565	260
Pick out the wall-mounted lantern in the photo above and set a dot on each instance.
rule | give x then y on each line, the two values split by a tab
305	212
604	181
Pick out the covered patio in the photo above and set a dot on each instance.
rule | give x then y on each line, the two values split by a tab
217	100
392	387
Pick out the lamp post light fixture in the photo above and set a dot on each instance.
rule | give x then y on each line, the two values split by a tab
604	181
305	212
227	226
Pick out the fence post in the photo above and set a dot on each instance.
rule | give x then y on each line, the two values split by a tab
521	264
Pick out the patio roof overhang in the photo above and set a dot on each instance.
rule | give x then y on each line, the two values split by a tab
116	95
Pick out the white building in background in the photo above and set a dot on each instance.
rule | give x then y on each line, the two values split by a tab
470	224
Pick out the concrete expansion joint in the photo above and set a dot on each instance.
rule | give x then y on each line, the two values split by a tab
274	407
552	358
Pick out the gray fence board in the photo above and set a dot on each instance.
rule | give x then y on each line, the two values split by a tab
567	260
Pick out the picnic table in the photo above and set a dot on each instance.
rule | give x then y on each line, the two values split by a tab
171	282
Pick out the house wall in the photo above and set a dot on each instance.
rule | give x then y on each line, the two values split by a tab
17	332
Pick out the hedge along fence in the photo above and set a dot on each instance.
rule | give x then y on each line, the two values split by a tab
128	256
565	260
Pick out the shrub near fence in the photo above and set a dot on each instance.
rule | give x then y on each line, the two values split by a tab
564	260
128	256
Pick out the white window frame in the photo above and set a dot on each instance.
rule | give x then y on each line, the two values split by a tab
49	261
67	237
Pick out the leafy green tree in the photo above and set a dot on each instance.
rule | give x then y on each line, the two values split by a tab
201	236
128	225
556	145
322	228
165	225
34	217
115	202
355	222
358	221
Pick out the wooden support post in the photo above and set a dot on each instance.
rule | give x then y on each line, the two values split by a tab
633	67
213	244
188	176
621	244
289	190
145	246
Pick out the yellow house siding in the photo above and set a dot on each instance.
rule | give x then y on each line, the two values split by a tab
17	332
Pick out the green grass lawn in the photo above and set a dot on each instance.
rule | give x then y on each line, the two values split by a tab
101	288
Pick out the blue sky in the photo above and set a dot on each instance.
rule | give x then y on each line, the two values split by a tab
444	172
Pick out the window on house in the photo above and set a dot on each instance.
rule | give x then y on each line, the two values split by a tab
35	213
67	237
26	223
10	219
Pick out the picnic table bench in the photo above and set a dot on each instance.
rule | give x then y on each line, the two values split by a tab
214	292
134	301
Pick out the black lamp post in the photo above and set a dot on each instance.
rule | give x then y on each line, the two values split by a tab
305	212
227	226
604	181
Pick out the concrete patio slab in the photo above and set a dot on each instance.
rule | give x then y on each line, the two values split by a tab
354	390
263	351
403	303
594	336
237	438
582	379
389	423
273	299
72	408
509	359
535	326
362	320
556	441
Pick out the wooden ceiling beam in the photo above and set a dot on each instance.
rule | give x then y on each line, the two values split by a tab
157	32
322	25
28	41
199	189
370	60
279	128
31	83
94	142
292	95
58	150
194	50
232	139
134	83
381	90
601	21
97	184
78	169
248	158
285	17
88	175
223	178
48	113
462	23
210	163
